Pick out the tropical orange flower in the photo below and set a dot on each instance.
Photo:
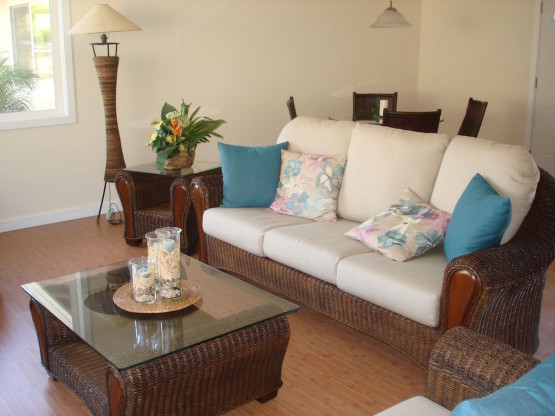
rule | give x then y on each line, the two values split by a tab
176	127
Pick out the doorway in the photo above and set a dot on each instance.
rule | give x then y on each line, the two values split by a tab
543	124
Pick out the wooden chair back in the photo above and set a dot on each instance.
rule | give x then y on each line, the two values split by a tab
364	105
473	118
291	106
423	121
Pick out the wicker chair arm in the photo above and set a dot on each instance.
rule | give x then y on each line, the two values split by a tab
142	189
465	365
211	188
207	193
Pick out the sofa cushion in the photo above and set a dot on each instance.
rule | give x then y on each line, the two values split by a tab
509	169
412	289
308	185
382	162
313	248
316	136
242	188
479	220
533	395
415	406
406	229
245	227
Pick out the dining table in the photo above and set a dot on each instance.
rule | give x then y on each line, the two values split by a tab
349	117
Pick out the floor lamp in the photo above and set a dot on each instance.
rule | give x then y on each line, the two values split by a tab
102	19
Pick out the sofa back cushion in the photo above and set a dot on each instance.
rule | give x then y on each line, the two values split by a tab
317	136
509	169
382	162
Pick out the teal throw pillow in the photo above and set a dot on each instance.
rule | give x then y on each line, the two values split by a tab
479	219
532	395
251	174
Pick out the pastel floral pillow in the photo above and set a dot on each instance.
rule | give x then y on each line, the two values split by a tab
309	185
404	230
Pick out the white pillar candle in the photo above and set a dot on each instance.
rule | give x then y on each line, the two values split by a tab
383	104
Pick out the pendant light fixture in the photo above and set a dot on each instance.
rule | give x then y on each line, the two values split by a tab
390	18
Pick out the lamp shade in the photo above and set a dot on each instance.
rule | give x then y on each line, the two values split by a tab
390	18
102	19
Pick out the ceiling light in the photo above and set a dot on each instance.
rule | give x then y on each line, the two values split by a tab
390	18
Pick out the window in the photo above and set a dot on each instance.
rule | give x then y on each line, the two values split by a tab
36	78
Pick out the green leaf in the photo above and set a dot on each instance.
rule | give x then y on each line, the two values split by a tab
194	113
160	160
165	154
184	108
167	108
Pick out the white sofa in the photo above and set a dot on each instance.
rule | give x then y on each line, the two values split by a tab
406	304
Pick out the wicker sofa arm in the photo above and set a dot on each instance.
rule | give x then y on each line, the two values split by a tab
465	365
508	279
180	197
207	193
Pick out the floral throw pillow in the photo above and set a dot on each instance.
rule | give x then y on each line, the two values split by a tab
309	185
404	230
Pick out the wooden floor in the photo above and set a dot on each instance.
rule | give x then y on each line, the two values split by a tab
329	369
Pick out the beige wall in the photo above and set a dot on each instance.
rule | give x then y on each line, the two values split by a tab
480	49
238	59
241	59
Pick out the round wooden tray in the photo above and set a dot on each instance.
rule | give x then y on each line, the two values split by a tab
190	293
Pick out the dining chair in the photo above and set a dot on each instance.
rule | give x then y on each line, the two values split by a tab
364	105
423	121
472	120
291	106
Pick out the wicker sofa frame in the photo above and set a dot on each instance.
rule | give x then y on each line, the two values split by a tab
496	292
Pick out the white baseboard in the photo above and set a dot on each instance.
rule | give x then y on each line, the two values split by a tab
54	216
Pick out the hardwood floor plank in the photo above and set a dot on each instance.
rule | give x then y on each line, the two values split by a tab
329	368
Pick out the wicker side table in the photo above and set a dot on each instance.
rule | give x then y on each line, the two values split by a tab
208	379
152	199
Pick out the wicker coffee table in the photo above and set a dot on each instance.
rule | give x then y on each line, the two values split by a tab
225	350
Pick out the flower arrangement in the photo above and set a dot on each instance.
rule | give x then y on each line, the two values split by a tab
179	132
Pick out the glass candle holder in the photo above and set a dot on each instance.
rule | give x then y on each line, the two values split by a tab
152	245
169	262
143	280
130	266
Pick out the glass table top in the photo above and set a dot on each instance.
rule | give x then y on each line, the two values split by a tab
83	302
196	168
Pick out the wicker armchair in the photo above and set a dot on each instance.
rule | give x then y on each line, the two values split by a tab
152	201
496	292
465	365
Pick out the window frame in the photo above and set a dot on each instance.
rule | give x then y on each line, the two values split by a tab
62	61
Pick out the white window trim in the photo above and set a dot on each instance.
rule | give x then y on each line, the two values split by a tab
62	58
